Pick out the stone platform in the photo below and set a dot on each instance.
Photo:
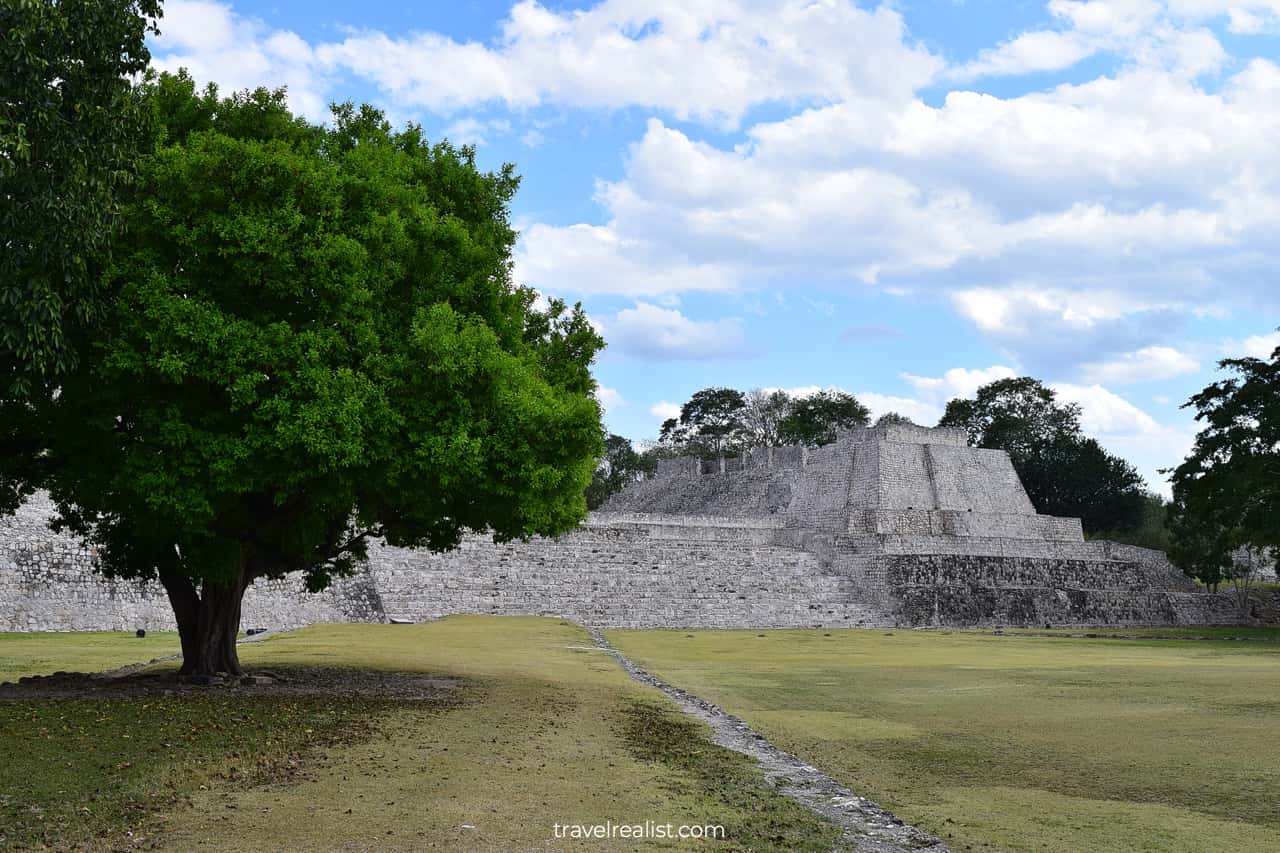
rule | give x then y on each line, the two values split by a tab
899	525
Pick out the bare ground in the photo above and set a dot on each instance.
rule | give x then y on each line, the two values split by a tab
278	681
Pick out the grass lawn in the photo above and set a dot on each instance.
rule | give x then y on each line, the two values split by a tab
545	730
85	651
1013	742
1267	634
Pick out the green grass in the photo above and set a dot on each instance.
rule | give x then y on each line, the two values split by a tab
546	730
87	651
1266	634
1013	743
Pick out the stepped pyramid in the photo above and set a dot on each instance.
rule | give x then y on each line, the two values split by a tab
926	529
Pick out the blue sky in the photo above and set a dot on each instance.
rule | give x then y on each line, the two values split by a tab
903	200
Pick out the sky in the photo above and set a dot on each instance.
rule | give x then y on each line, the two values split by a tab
902	200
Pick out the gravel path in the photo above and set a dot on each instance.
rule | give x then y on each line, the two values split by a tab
867	827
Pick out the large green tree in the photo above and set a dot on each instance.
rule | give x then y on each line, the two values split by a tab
315	343
1064	472
1226	494
815	420
1019	415
711	423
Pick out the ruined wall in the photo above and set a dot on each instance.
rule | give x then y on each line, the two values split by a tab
47	583
623	577
754	493
1035	592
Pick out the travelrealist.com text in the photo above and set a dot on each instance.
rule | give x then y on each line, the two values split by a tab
648	829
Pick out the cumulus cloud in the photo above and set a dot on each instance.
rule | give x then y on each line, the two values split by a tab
650	331
956	382
217	45
710	61
1068	225
1254	346
592	259
922	413
664	410
610	399
1144	365
1143	29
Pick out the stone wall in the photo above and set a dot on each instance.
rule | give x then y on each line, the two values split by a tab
47	583
623	577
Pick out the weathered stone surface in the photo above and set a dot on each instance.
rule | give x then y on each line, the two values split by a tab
893	526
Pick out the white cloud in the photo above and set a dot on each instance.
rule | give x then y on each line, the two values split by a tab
704	61
956	382
218	45
709	61
1244	17
474	131
664	410
1254	346
664	333
1043	50
925	414
1114	207
1143	30
610	399
1105	413
1144	365
586	259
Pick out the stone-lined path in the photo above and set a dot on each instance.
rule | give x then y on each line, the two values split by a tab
867	827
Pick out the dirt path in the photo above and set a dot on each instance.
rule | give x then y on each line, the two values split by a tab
867	827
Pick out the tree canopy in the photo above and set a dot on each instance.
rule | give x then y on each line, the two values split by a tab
717	421
815	420
710	423
620	465
1016	415
1226	494
1064	472
891	418
315	342
763	414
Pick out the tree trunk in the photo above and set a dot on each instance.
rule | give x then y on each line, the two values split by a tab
208	623
186	609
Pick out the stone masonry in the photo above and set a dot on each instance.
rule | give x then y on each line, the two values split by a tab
898	525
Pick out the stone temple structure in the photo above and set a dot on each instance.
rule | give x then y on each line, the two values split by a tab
891	526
